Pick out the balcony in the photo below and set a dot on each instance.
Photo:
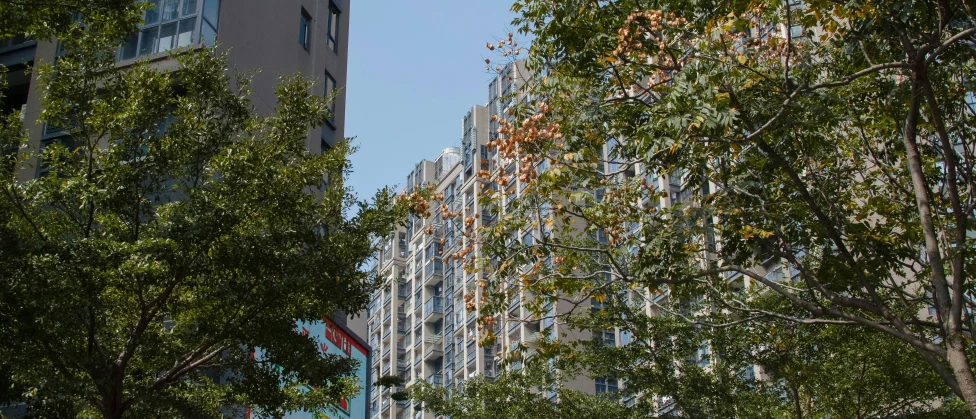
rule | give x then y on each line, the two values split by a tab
171	26
402	365
436	379
433	351
403	293
436	267
434	306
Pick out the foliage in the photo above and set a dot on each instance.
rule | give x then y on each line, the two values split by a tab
170	232
772	183
42	19
516	395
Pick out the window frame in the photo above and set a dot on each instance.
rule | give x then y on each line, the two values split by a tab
328	90
332	31
305	30
182	17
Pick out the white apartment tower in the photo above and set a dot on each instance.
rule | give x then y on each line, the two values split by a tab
418	326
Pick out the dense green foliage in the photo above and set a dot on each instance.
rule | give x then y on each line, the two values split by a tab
168	234
517	395
772	199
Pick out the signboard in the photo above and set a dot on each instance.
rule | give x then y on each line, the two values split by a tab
334	339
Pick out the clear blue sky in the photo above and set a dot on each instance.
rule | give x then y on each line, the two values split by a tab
415	68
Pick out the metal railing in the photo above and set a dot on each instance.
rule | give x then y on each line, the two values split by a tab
434	305
436	379
435	267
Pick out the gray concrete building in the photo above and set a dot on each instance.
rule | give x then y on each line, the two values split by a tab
281	37
273	37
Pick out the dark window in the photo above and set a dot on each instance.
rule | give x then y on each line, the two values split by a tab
333	27
606	385
170	24
305	30
330	86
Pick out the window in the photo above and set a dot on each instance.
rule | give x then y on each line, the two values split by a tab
624	337
305	30
608	339
796	31
333	41
606	385
330	87
13	41
171	24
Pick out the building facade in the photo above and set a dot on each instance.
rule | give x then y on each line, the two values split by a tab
281	37
285	37
420	325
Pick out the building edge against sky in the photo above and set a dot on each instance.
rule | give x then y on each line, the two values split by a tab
307	37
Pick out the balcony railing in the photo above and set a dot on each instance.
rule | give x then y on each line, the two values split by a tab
434	268
173	25
434	305
436	379
433	350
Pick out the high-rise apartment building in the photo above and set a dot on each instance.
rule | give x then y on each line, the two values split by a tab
418	324
281	37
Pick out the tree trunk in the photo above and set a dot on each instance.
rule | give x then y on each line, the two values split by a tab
956	355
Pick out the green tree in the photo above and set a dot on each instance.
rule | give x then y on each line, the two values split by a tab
533	393
45	18
172	232
723	169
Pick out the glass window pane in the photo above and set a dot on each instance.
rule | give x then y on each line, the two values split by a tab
303	30
334	24
166	37
130	48
152	15
169	10
189	7
211	10
185	36
148	44
207	34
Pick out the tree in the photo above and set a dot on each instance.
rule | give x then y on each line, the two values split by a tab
805	166
516	395
46	18
172	231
